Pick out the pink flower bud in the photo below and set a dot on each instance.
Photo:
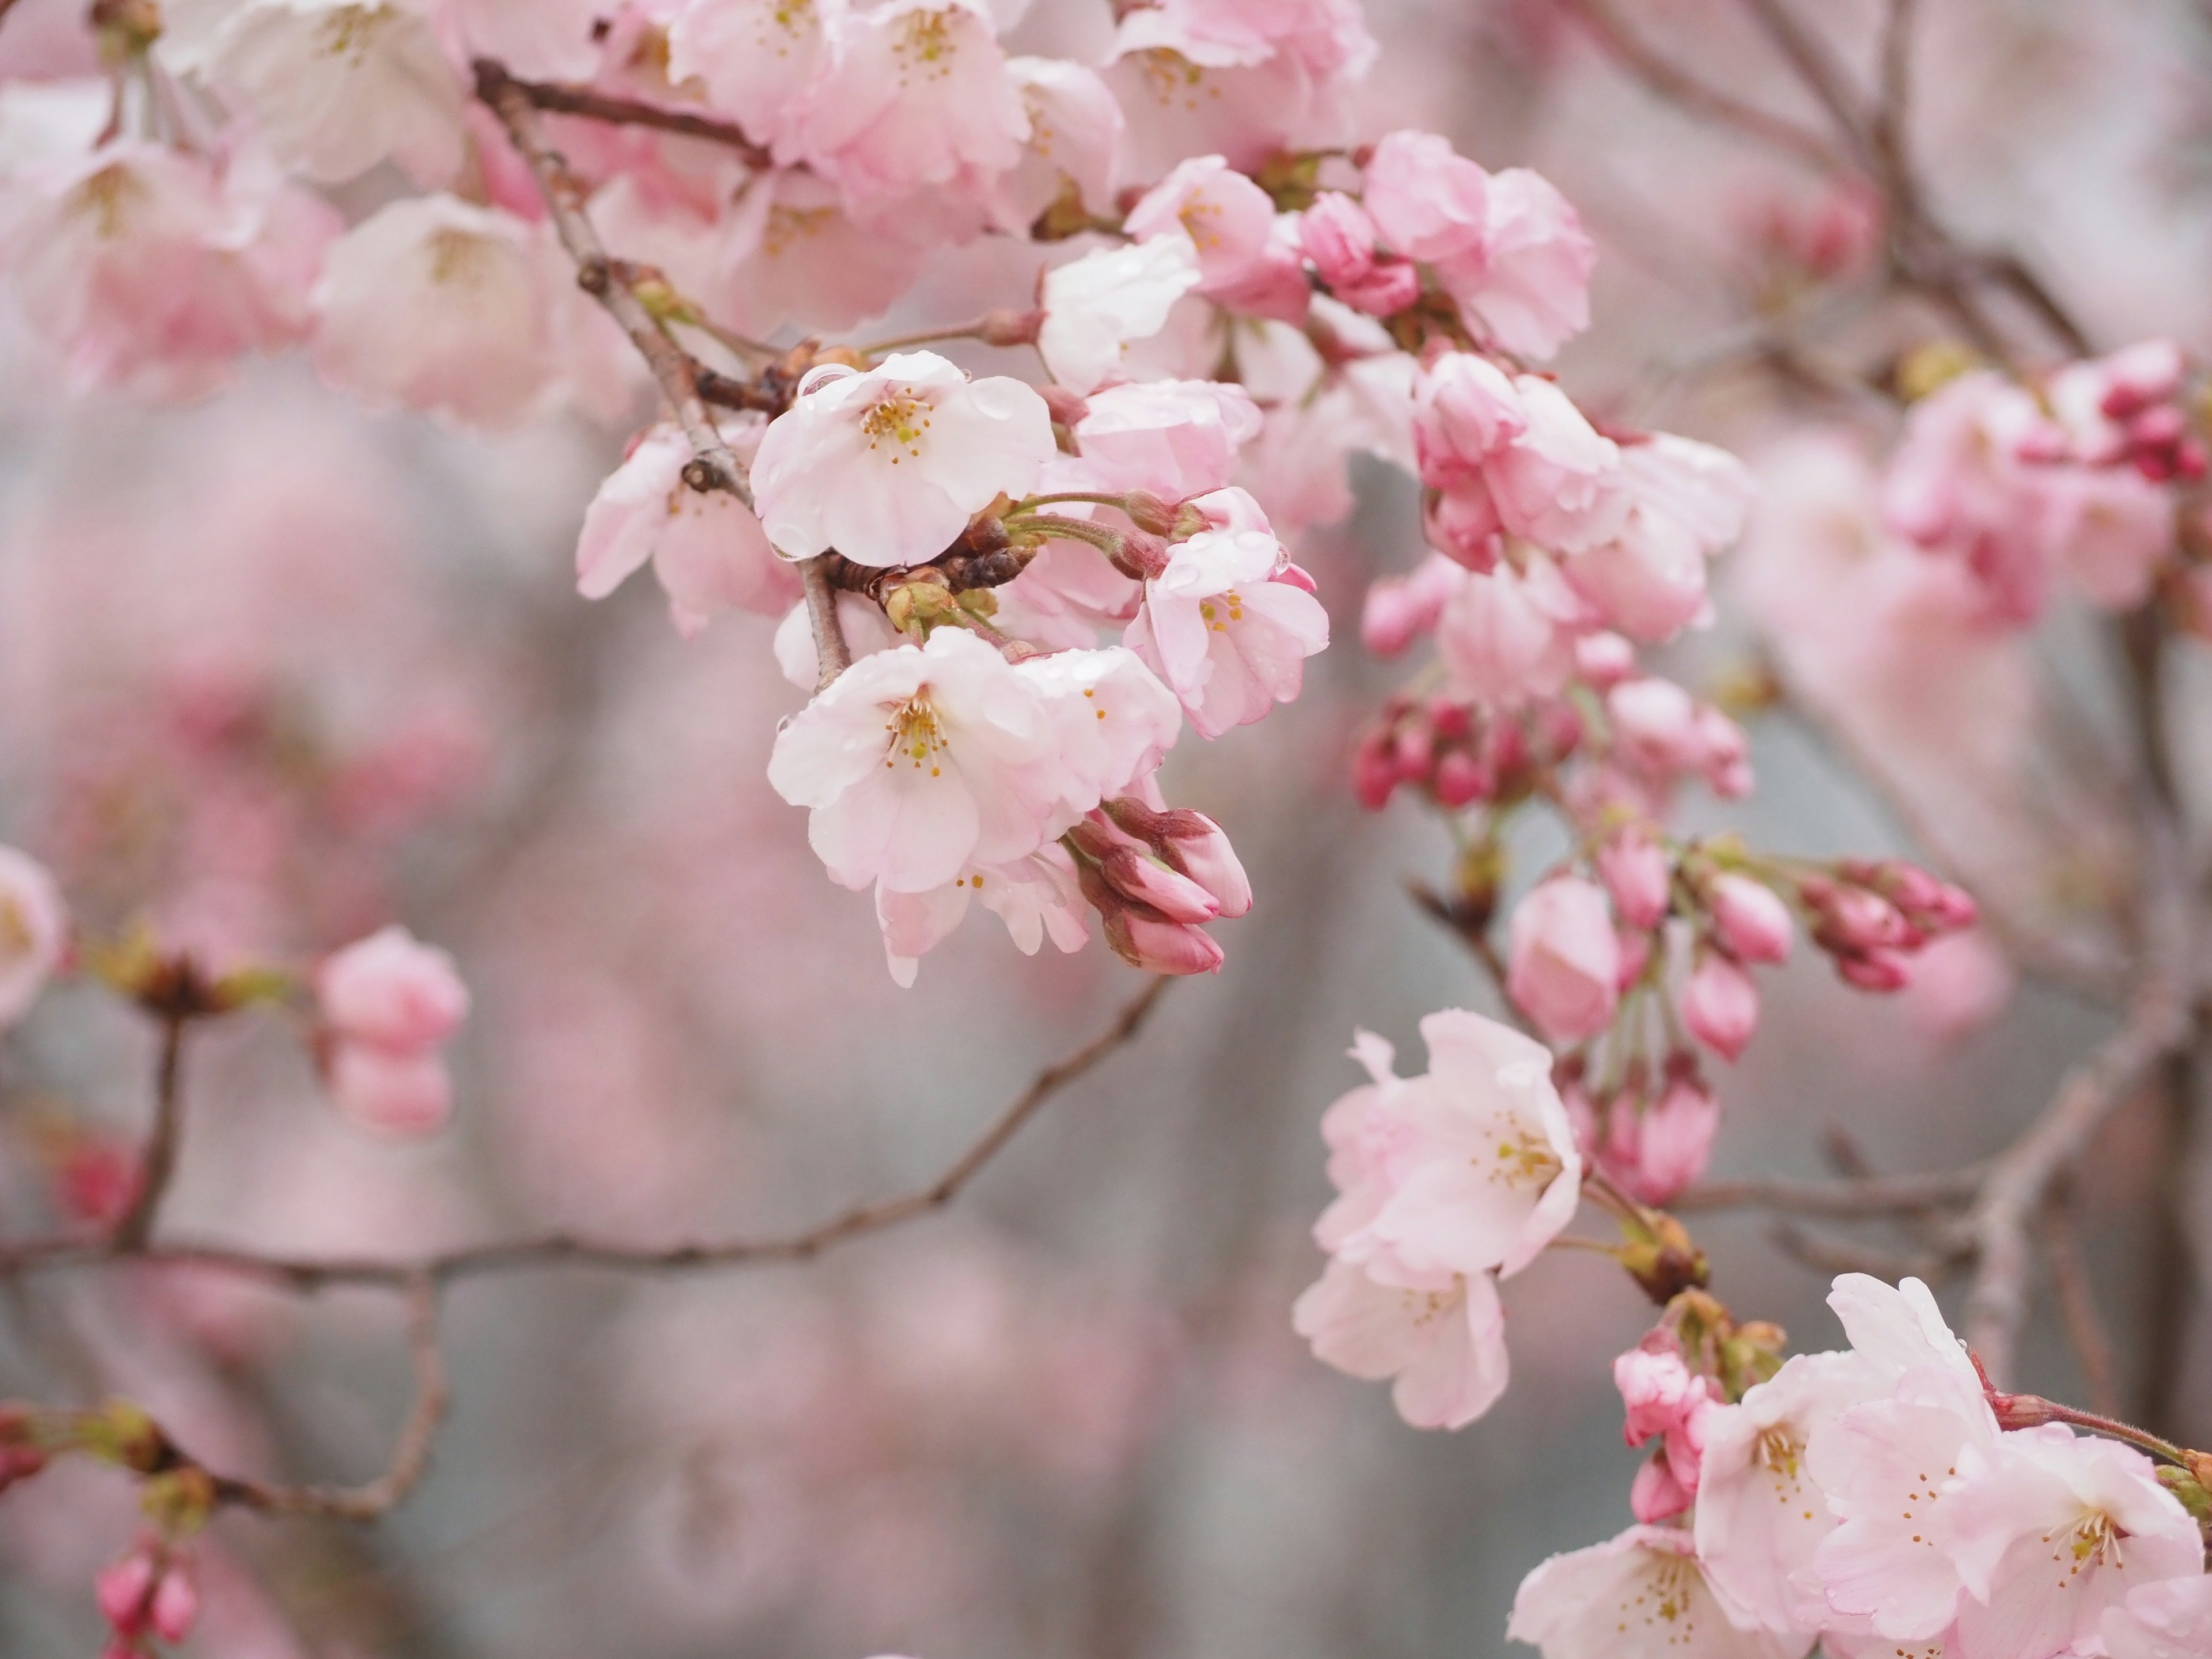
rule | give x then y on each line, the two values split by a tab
1387	289
1374	771
1874	972
176	1605
1676	1141
1162	947
1656	1494
1197	846
1565	959
1604	658
1719	1006
1635	871
1655	726
1750	919
1171	893
1857	919
1656	1387
122	1591
391	990
1726	764
1401	609
393	1093
1339	239
1635	957
1462	523
1462	779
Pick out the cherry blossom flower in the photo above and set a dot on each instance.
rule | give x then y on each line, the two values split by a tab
792	254
758	59
1507	636
1636	874
913	94
1340	240
706	546
388	1004
1565	959
1527	284
1097	306
33	932
1036	897
1466	409
1399	609
1430	202
1559	482
1689	505
1075	135
155	268
333	86
1225	623
548	39
1442	1336
1173	439
1671	1144
1230	223
888	465
1643	1594
2168	1620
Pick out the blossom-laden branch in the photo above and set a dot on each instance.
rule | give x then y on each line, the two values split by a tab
612	284
557	99
572	1250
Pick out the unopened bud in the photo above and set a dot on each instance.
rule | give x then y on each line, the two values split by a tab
1162	947
123	1591
1149	513
1010	328
176	1605
915	606
1374	770
1197	846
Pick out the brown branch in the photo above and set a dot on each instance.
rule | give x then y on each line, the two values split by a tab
1670	81
2023	1177
565	1249
1834	1256
2077	1304
1853	1199
558	100
832	655
607	280
411	1448
157	1165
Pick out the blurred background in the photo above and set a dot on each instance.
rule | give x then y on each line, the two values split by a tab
275	670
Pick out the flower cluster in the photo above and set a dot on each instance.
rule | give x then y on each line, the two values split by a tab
1876	1499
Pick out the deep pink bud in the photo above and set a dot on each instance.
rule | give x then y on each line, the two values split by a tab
1173	894
176	1605
122	1591
1675	1143
1384	291
1162	947
1857	919
1635	871
1750	919
1450	721
1374	772
1720	1005
1656	1494
1196	846
1461	779
1873	971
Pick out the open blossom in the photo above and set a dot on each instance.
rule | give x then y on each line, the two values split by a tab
1643	1594
706	546
1430	202
156	269
1231	224
1466	409
1174	438
791	254
912	93
1076	131
1688	504
33	932
923	763
758	60
1446	1181
1564	967
1506	636
1225	623
334	86
887	466
2169	1620
1096	306
1037	897
389	1004
1559	482
1529	291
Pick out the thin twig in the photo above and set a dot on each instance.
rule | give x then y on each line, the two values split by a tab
2077	1304
157	1165
1874	1195
631	112
568	1249
2023	1176
1832	1255
832	655
1670	81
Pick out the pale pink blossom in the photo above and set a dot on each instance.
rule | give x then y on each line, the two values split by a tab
1689	504
1749	917
1340	240
758	60
333	86
2093	1507
1115	721
1441	1336
1466	409
1430	202
442	306
1564	958
1527	284
913	93
1507	637
1223	625
1719	1005
543	38
1096	306
1231	224
1036	897
706	546
156	269
1643	1594
1076	131
2168	1620
888	466
1559	483
33	932
867	631
391	990
1959	486
1173	439
792	254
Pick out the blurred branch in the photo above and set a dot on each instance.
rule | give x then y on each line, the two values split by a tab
568	1249
516	103
158	1164
1868	1196
1831	1255
2077	1304
2020	1180
558	100
1679	86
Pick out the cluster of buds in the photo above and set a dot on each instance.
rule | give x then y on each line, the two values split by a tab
1659	734
1651	1130
1869	917
1156	877
149	1593
2121	410
1459	754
